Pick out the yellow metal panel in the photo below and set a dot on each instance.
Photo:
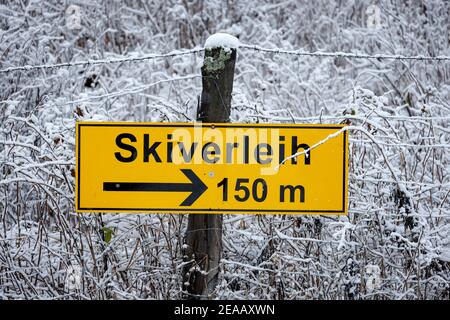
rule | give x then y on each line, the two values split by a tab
211	168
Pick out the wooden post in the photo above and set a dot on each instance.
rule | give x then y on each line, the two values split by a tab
203	238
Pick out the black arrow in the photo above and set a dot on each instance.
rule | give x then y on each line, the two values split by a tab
196	187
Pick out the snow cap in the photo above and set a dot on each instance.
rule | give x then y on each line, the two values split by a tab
222	40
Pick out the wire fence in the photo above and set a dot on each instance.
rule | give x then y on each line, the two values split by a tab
386	225
151	56
176	53
345	54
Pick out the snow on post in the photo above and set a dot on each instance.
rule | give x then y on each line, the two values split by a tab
218	76
222	40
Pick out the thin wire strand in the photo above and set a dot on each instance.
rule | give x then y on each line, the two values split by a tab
242	46
344	54
103	61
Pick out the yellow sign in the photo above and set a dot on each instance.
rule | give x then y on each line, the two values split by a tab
211	168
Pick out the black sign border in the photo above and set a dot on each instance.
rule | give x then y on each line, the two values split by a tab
79	125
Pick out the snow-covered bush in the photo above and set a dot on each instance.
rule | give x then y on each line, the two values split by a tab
395	242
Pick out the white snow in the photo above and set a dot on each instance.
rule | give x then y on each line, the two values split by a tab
222	40
399	159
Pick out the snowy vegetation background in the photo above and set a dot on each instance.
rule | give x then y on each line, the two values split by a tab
395	242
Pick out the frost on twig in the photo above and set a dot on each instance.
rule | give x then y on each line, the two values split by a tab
302	64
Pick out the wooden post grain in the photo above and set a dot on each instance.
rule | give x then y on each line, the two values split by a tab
203	238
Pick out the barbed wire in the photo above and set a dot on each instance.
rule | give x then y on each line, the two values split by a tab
175	53
150	56
344	54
